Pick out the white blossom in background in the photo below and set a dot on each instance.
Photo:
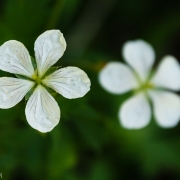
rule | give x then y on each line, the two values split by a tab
42	111
118	78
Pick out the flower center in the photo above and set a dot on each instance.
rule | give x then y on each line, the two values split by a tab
146	86
36	79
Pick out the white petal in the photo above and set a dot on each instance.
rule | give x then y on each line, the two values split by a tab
15	58
12	91
166	107
70	82
117	78
49	47
168	74
42	111
135	113
140	55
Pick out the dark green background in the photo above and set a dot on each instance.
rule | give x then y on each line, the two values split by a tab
89	143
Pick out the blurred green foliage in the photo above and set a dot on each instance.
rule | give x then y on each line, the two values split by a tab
89	143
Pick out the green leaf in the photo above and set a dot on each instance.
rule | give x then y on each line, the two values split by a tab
30	92
22	77
51	91
50	71
34	63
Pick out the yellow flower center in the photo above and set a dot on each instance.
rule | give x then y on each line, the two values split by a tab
36	79
147	86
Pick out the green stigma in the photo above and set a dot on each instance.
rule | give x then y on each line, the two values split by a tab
36	79
147	86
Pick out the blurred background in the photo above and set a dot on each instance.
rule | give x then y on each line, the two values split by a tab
89	143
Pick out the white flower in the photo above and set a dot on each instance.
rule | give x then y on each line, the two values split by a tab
119	78
42	111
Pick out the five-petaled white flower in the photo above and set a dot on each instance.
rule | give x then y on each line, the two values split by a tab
42	111
118	78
